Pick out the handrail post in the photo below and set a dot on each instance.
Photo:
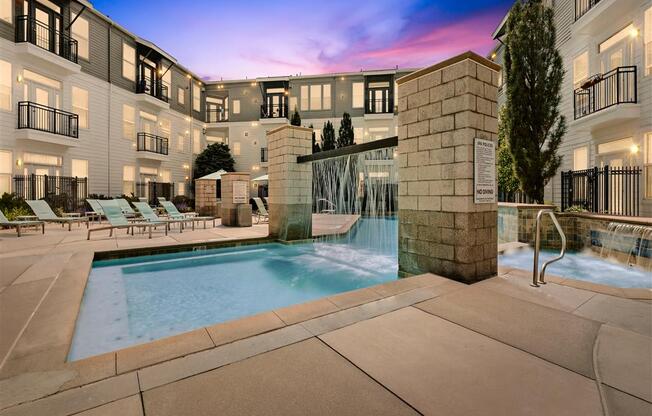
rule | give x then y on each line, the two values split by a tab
536	277
537	243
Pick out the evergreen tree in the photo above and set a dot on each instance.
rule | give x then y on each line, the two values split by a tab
533	74
328	137
315	145
295	120
215	157
507	180
346	134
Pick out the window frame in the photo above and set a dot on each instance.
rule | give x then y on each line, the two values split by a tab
126	45
125	122
10	86
78	109
10	3
87	39
196	96
353	94
181	96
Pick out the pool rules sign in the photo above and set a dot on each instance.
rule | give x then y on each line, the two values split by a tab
484	171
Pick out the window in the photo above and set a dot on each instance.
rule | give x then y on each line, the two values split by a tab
293	104
236	106
128	62
305	98
648	165
6	163
623	34
181	96
80	106
6	11
128	179
327	97
41	159
167	76
196	141
164	128
357	95
181	188
315	97
164	176
196	97
236	148
128	122
80	33
79	168
5	85
622	145
647	41
181	142
581	158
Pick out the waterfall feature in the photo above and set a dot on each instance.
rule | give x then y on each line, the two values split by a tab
631	241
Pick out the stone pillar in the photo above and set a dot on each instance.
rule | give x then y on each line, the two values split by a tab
236	210
442	109
290	183
206	202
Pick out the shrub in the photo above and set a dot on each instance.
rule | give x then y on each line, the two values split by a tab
10	202
15	212
183	203
575	208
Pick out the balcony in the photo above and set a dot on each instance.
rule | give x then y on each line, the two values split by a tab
216	115
43	45
153	92
379	109
607	98
152	147
596	17
273	113
583	6
37	122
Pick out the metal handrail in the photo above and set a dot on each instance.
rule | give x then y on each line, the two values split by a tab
536	277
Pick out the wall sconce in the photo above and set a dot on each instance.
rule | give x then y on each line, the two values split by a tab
634	149
188	76
19	78
254	124
342	79
187	178
203	130
187	132
633	32
186	166
253	84
187	118
19	162
493	56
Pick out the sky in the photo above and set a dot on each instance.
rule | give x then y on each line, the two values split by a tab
234	39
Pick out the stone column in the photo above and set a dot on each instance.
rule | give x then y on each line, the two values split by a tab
206	202
236	213
442	109
290	183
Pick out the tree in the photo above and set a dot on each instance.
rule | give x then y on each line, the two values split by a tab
507	180
346	134
533	74
295	120
215	157
315	145
328	137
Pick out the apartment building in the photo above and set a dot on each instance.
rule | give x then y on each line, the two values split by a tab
240	112
606	46
82	97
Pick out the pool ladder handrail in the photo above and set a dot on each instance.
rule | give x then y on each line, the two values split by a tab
539	278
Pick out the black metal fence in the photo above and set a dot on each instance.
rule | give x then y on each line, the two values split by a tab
153	190
154	87
515	197
46	37
216	114
151	143
583	6
40	117
379	106
617	86
64	192
614	191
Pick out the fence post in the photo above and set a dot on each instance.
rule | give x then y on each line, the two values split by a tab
605	178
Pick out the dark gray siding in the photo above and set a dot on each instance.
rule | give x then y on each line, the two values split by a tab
179	80
98	37
250	99
344	96
199	115
117	37
295	88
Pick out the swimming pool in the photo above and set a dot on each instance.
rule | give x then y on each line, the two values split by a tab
140	299
582	266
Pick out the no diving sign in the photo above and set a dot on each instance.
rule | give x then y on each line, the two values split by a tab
484	171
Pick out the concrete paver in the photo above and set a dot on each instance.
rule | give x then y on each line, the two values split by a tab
632	315
131	406
623	404
226	332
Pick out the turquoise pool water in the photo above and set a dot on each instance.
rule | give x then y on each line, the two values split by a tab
582	266
140	299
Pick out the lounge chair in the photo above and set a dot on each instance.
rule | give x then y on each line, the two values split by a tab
174	213
44	213
142	199
18	225
261	211
125	207
149	215
161	199
96	207
117	221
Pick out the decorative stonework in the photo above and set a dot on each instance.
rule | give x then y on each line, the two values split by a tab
206	200
290	183
235	214
442	109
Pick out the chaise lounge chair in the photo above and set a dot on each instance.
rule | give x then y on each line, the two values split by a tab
44	213
174	213
149	215
18	225
125	207
117	221
261	211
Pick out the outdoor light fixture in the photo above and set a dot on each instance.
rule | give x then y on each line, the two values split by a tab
187	118
633	32
19	78
188	76
634	149
493	56
19	162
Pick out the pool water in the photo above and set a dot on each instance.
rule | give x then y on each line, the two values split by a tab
582	266
140	299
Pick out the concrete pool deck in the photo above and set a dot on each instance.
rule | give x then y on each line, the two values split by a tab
421	345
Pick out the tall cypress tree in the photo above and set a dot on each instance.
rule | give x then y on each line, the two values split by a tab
533	74
315	145
295	120
328	137
345	137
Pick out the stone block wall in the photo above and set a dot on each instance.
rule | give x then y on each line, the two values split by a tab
206	201
290	183
235	215
441	110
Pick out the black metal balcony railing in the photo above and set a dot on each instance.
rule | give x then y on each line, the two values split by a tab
45	37
216	115
51	120
379	106
147	142
274	110
583	6
605	90
264	154
153	87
